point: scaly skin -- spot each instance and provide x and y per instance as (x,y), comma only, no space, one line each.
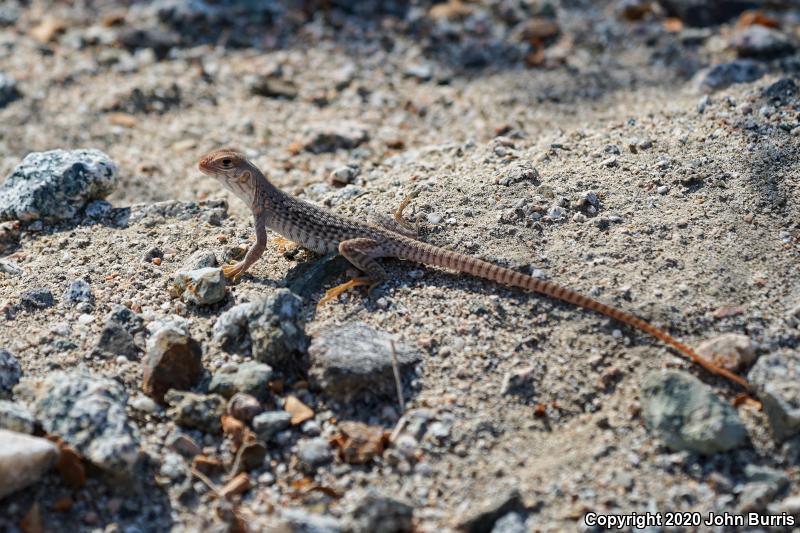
(363,244)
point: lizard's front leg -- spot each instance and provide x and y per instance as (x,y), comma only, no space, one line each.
(253,253)
(363,253)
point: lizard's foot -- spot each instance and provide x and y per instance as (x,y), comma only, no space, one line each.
(233,272)
(330,294)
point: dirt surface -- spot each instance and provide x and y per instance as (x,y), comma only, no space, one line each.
(696,229)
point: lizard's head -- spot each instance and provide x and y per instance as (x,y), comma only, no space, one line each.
(233,170)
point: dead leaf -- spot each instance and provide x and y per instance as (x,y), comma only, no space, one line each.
(745,399)
(727,311)
(207,465)
(32,521)
(300,412)
(63,504)
(233,428)
(70,467)
(235,486)
(358,443)
(756,18)
(125,120)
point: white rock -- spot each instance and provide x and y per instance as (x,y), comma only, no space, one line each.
(23,460)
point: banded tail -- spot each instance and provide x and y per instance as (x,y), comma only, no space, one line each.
(432,255)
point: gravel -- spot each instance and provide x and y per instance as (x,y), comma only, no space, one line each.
(486,114)
(313,453)
(56,185)
(8,90)
(15,417)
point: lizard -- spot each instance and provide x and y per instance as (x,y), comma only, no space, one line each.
(363,244)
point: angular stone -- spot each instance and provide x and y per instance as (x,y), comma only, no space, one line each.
(759,41)
(355,358)
(776,379)
(8,90)
(115,340)
(88,413)
(723,75)
(376,513)
(37,298)
(249,377)
(23,460)
(729,350)
(77,292)
(56,185)
(205,286)
(174,361)
(685,414)
(483,515)
(314,453)
(331,136)
(15,417)
(10,372)
(273,328)
(270,423)
(198,411)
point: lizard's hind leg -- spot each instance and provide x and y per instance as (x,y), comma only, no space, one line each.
(363,253)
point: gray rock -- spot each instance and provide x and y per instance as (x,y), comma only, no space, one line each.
(729,350)
(15,417)
(482,516)
(686,415)
(517,172)
(349,360)
(205,286)
(344,175)
(88,413)
(314,453)
(270,423)
(706,12)
(37,298)
(513,522)
(56,185)
(376,513)
(763,484)
(759,41)
(200,259)
(301,521)
(10,372)
(126,318)
(273,328)
(198,411)
(174,361)
(775,378)
(726,74)
(8,89)
(78,291)
(115,340)
(273,87)
(23,460)
(250,377)
(331,136)
(781,92)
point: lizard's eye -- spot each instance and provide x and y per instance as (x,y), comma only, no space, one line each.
(226,162)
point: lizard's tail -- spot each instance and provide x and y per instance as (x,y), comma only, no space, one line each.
(431,255)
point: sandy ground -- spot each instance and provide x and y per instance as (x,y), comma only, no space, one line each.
(701,215)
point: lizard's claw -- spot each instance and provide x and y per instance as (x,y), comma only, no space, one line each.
(330,294)
(232,272)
